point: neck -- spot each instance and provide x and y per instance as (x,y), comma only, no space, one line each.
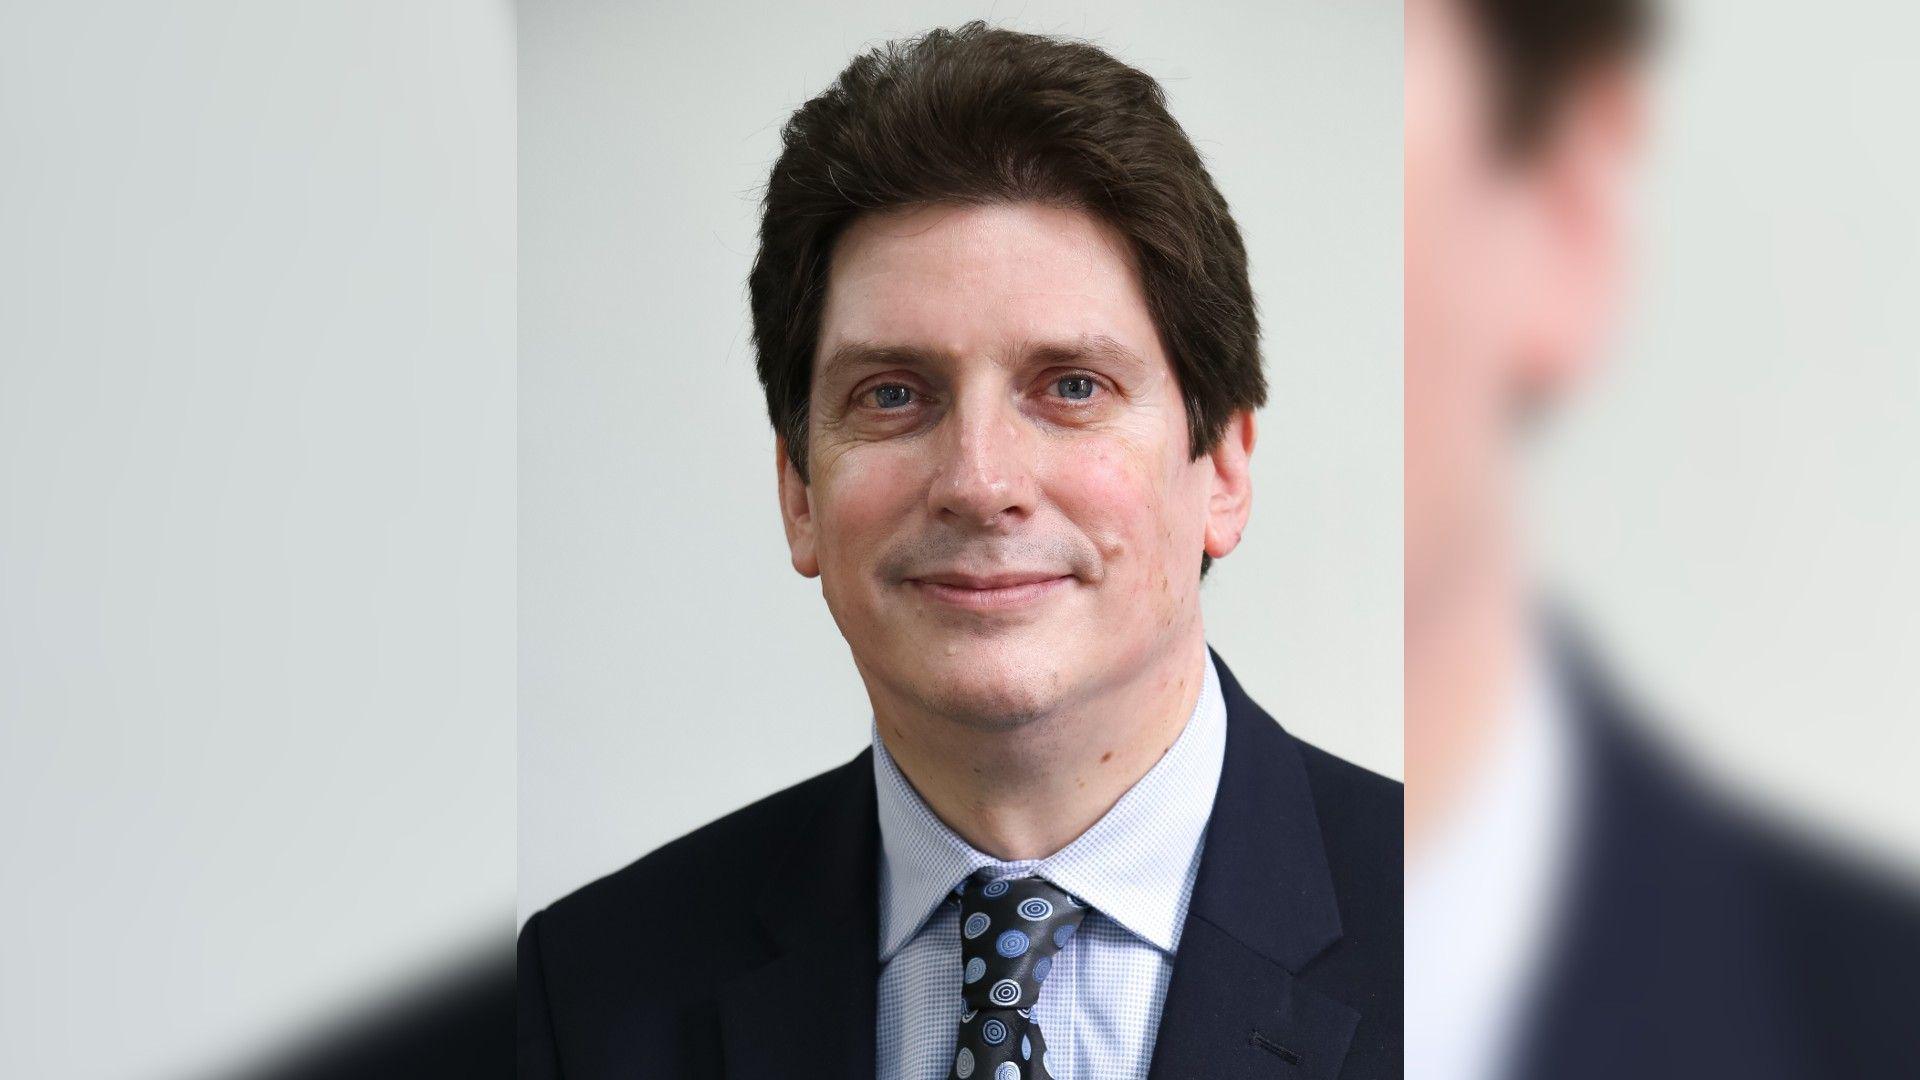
(1462,653)
(1026,791)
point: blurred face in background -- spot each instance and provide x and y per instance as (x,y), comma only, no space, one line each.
(1001,505)
(1512,265)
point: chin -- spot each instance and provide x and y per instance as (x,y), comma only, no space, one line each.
(989,685)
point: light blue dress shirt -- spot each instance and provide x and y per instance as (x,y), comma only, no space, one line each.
(1100,1006)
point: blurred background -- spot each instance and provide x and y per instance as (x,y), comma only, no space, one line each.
(256,524)
(654,575)
(1662,381)
(1734,502)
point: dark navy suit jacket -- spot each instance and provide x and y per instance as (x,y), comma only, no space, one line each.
(749,948)
(1706,941)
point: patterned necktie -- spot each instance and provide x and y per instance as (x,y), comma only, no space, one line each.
(1009,930)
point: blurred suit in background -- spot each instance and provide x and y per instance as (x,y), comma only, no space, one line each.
(1578,903)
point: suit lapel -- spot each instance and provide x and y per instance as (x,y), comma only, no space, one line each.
(809,1012)
(1263,908)
(1233,1013)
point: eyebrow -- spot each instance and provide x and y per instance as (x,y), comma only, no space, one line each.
(872,354)
(1098,347)
(1088,347)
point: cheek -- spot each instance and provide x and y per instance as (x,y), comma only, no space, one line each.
(1128,500)
(860,498)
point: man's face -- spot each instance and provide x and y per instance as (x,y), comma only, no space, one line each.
(1511,269)
(1460,305)
(1001,506)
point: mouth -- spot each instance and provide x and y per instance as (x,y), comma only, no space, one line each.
(989,592)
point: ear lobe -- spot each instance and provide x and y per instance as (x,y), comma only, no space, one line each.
(796,512)
(1230,500)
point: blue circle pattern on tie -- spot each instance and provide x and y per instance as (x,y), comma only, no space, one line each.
(998,1038)
(1006,992)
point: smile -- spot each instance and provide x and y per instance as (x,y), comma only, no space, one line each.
(988,594)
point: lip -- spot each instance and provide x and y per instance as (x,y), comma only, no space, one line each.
(990,592)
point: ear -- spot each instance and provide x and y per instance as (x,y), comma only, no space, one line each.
(796,512)
(1230,484)
(1581,181)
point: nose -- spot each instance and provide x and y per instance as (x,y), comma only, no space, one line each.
(985,478)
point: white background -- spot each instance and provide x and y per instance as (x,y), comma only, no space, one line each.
(256,518)
(673,667)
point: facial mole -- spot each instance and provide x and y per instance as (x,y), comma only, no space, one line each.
(1106,757)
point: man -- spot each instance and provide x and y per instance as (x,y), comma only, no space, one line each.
(1009,350)
(1578,906)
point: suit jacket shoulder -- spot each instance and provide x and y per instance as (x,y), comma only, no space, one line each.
(1301,878)
(1360,817)
(700,875)
(1702,938)
(626,968)
(1361,821)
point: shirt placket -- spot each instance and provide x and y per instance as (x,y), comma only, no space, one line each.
(1069,958)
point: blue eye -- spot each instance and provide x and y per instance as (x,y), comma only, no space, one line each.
(1075,387)
(891,396)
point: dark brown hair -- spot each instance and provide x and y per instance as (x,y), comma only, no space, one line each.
(977,115)
(1541,48)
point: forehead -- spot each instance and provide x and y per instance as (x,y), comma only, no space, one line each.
(970,280)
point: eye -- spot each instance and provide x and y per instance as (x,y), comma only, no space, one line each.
(891,396)
(1074,387)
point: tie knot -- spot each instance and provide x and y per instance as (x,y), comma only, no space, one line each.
(1009,930)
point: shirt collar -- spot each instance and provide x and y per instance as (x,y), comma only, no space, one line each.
(1135,865)
(1480,898)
